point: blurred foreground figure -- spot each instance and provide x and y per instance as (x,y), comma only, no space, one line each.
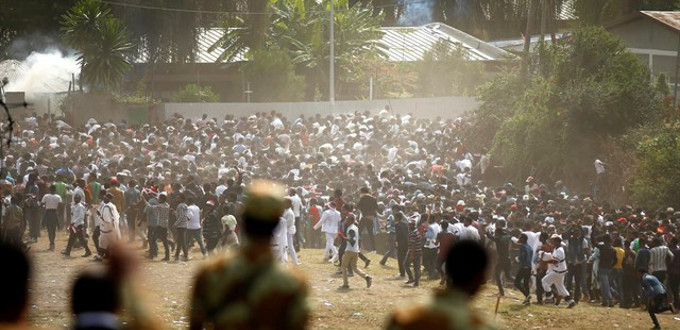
(101,297)
(248,290)
(450,309)
(13,287)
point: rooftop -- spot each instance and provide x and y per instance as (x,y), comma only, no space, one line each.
(668,18)
(404,44)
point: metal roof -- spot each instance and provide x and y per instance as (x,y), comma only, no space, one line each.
(404,44)
(517,44)
(408,44)
(668,18)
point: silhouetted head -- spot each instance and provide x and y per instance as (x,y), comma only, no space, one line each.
(466,265)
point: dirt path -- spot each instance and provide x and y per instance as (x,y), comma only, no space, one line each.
(167,286)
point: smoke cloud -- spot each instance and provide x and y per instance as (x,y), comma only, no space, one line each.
(41,72)
(417,12)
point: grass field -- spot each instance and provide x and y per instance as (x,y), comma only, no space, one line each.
(167,286)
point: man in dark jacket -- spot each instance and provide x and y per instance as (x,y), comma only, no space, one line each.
(502,241)
(368,206)
(401,228)
(607,262)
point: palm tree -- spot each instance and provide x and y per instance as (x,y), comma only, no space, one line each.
(302,28)
(102,42)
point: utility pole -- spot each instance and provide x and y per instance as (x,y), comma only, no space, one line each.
(331,91)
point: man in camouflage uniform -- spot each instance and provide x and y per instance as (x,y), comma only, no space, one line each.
(450,309)
(248,290)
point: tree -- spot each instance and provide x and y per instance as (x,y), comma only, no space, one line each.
(446,70)
(301,27)
(195,93)
(102,42)
(594,89)
(272,76)
(657,177)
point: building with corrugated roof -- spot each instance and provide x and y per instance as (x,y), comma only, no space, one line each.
(654,36)
(402,44)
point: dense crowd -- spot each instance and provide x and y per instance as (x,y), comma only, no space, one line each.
(406,186)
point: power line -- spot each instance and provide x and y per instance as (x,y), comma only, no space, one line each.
(195,11)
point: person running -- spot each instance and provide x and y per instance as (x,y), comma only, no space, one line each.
(523,276)
(557,267)
(655,292)
(351,255)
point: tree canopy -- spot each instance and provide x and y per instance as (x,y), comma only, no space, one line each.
(554,123)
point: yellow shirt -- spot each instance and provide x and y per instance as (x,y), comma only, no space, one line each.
(620,253)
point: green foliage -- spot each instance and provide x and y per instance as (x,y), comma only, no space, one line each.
(134,99)
(657,179)
(102,42)
(662,87)
(301,27)
(499,99)
(272,77)
(553,125)
(193,93)
(446,70)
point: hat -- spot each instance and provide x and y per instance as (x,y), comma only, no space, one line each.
(114,180)
(210,202)
(555,236)
(265,201)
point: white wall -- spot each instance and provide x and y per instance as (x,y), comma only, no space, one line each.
(446,107)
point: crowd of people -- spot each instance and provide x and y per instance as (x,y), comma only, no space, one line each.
(360,182)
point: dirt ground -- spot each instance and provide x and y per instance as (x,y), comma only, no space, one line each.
(167,286)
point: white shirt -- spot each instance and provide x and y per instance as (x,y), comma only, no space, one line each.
(329,222)
(109,218)
(220,189)
(558,255)
(456,228)
(353,247)
(290,221)
(599,166)
(297,205)
(97,216)
(194,215)
(280,235)
(434,228)
(78,214)
(469,232)
(78,192)
(51,201)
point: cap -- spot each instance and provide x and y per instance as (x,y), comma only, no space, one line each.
(114,180)
(265,201)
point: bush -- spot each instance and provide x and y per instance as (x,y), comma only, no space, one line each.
(553,125)
(195,93)
(657,178)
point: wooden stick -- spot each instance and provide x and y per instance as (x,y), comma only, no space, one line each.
(498,302)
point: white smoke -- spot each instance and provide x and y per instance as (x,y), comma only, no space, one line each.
(417,12)
(47,72)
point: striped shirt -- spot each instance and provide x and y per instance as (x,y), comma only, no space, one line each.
(657,260)
(415,243)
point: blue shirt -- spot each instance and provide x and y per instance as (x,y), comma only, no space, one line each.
(525,256)
(652,286)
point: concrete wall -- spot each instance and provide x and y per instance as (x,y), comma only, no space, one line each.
(446,107)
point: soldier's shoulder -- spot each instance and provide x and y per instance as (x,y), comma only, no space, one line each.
(419,317)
